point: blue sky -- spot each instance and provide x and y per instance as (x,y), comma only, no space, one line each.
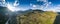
(45,5)
(55,1)
(27,2)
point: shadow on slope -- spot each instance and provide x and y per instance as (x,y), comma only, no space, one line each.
(57,20)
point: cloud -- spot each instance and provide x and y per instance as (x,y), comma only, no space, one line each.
(43,0)
(55,8)
(47,6)
(16,3)
(44,5)
(2,3)
(12,8)
(3,0)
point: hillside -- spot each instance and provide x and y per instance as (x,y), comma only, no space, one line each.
(36,17)
(3,17)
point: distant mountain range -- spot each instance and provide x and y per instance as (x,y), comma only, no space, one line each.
(25,15)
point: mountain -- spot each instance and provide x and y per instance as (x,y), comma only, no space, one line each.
(27,17)
(36,17)
(3,17)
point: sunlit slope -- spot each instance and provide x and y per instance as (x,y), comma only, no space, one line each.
(36,17)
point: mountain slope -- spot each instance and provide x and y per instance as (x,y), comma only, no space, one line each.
(3,17)
(36,17)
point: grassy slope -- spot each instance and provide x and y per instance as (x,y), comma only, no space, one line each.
(36,17)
